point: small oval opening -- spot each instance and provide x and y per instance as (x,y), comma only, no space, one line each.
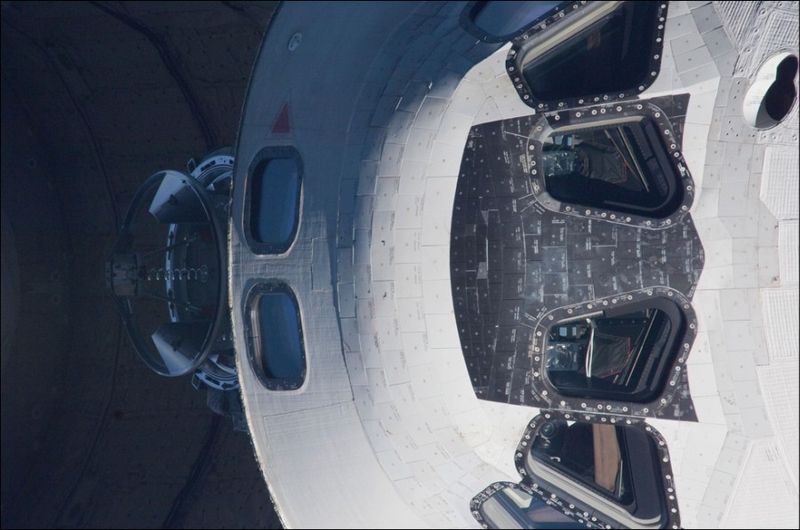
(773,93)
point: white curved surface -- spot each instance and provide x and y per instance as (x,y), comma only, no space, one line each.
(387,431)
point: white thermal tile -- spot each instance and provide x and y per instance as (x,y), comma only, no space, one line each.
(418,147)
(395,367)
(387,334)
(430,114)
(355,368)
(488,111)
(412,175)
(386,193)
(383,296)
(410,315)
(438,296)
(702,380)
(454,128)
(780,181)
(381,258)
(408,279)
(347,303)
(779,384)
(780,308)
(409,211)
(436,263)
(395,468)
(788,248)
(408,246)
(765,496)
(442,331)
(686,43)
(416,348)
(468,98)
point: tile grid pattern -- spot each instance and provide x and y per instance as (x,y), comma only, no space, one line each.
(431,436)
(403,353)
(748,184)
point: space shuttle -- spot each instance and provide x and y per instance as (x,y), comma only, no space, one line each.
(495,264)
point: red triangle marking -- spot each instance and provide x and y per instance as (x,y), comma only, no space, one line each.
(281,125)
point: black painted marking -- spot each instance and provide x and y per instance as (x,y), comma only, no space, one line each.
(519,263)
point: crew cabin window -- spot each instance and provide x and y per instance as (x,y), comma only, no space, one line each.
(273,201)
(502,19)
(615,470)
(605,49)
(622,166)
(276,349)
(513,507)
(624,354)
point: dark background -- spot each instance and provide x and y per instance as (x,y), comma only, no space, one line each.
(95,98)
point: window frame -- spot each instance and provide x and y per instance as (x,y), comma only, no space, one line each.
(597,116)
(670,514)
(479,501)
(253,343)
(258,164)
(672,350)
(547,396)
(474,7)
(647,130)
(556,27)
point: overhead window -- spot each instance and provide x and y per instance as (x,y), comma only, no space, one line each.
(276,349)
(502,19)
(608,48)
(619,165)
(513,507)
(622,354)
(773,92)
(273,201)
(615,470)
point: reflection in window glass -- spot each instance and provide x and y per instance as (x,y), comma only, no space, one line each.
(609,56)
(281,356)
(505,18)
(623,356)
(274,200)
(515,508)
(622,167)
(611,468)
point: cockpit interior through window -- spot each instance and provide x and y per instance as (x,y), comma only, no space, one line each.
(623,354)
(620,165)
